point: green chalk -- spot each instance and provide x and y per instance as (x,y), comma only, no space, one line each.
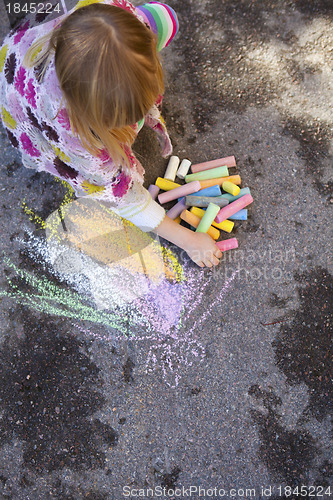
(208,218)
(213,173)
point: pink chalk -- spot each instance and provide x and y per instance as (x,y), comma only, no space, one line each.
(228,161)
(176,209)
(227,244)
(180,191)
(153,190)
(233,207)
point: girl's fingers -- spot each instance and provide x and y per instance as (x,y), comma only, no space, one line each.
(208,263)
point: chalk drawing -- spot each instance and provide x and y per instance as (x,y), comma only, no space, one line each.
(160,319)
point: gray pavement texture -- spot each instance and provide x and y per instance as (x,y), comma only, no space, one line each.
(238,395)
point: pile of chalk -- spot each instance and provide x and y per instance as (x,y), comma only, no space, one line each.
(209,201)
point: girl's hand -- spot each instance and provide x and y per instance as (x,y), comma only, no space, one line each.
(201,248)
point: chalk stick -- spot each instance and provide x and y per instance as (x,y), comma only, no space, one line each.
(211,182)
(210,191)
(204,201)
(153,190)
(165,184)
(231,188)
(226,225)
(176,209)
(241,193)
(194,221)
(233,207)
(183,190)
(227,244)
(183,169)
(207,219)
(228,161)
(240,215)
(214,190)
(214,173)
(171,169)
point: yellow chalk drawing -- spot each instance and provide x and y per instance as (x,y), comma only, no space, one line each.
(70,194)
(91,188)
(39,222)
(172,267)
(3,54)
(7,118)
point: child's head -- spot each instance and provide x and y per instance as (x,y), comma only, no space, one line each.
(109,72)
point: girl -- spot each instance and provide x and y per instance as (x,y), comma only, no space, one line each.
(74,93)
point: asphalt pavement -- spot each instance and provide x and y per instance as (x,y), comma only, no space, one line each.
(144,375)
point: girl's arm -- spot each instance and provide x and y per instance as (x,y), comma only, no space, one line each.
(200,247)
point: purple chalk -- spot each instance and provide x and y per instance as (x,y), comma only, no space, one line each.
(176,209)
(153,190)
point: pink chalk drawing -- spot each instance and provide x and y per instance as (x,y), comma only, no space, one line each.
(165,320)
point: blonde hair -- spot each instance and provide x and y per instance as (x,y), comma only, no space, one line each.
(109,72)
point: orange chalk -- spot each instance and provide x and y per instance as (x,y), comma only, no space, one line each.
(235,179)
(194,221)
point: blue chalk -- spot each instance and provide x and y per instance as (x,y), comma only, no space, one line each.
(241,193)
(210,191)
(241,215)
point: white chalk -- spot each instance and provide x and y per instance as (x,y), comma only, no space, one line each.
(183,169)
(171,170)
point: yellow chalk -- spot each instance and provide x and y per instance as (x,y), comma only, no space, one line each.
(226,225)
(231,188)
(178,220)
(194,221)
(165,184)
(235,179)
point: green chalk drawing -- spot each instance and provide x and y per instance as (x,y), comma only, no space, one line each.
(46,297)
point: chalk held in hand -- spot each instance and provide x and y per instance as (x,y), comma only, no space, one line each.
(214,173)
(231,188)
(165,184)
(233,207)
(194,221)
(208,218)
(153,190)
(171,169)
(183,169)
(227,244)
(204,201)
(183,190)
(229,161)
(226,225)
